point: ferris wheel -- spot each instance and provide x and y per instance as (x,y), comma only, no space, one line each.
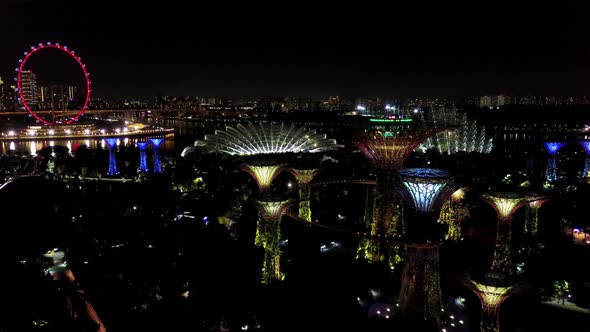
(70,116)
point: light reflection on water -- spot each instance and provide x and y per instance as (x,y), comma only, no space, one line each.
(33,146)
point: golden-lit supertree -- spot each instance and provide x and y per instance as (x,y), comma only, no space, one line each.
(304,178)
(505,205)
(263,173)
(268,235)
(534,203)
(387,151)
(491,295)
(420,292)
(449,215)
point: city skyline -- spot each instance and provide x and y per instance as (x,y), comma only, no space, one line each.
(253,51)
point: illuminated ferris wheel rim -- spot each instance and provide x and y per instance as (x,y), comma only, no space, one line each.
(20,69)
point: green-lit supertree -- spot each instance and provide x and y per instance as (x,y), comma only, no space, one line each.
(420,292)
(505,205)
(534,203)
(304,178)
(449,215)
(263,173)
(268,235)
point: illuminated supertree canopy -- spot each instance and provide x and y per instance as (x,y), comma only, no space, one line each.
(112,144)
(142,156)
(552,148)
(304,178)
(263,173)
(420,291)
(466,137)
(389,150)
(491,297)
(268,235)
(505,205)
(424,185)
(268,138)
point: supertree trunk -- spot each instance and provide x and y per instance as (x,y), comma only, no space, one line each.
(586,171)
(420,292)
(449,216)
(268,235)
(551,171)
(304,202)
(531,225)
(502,254)
(490,320)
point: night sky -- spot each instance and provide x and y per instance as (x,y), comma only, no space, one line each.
(308,49)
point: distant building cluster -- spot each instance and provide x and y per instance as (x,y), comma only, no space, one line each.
(495,101)
(55,97)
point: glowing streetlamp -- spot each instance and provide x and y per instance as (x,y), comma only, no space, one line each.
(142,156)
(304,178)
(112,144)
(551,171)
(156,142)
(505,205)
(268,235)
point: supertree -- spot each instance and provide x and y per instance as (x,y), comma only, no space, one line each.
(156,142)
(142,156)
(466,137)
(263,172)
(586,171)
(424,186)
(268,235)
(551,171)
(491,294)
(449,215)
(387,152)
(420,292)
(505,205)
(112,144)
(534,203)
(304,178)
(268,138)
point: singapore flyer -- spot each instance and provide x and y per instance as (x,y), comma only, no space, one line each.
(46,105)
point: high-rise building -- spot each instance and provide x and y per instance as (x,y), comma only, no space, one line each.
(29,87)
(485,101)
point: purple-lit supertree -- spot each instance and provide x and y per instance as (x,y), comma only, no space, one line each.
(112,144)
(387,151)
(142,156)
(586,171)
(505,205)
(551,171)
(156,142)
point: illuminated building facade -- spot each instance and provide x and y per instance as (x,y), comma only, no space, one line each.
(112,144)
(551,171)
(505,205)
(142,156)
(491,298)
(268,235)
(420,292)
(263,174)
(29,87)
(304,178)
(156,142)
(268,138)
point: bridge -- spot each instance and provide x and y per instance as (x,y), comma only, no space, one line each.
(370,182)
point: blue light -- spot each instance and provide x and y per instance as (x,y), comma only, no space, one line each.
(142,156)
(424,194)
(156,142)
(553,147)
(112,144)
(586,146)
